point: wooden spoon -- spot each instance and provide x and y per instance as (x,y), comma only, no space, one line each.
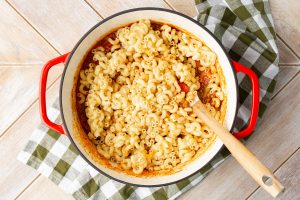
(259,172)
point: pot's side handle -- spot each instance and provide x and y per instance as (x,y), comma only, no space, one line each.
(42,93)
(255,99)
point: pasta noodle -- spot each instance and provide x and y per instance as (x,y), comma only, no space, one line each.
(138,117)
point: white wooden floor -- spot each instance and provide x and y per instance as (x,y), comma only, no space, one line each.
(34,31)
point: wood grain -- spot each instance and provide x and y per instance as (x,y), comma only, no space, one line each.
(62,23)
(286,16)
(14,175)
(107,8)
(19,43)
(286,56)
(187,6)
(289,174)
(19,89)
(43,192)
(284,77)
(276,138)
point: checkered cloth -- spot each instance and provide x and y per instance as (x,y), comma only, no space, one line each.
(246,30)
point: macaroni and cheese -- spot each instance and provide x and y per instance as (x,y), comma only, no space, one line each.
(134,92)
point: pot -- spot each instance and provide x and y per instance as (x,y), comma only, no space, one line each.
(73,59)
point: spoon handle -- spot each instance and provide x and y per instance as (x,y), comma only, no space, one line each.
(259,172)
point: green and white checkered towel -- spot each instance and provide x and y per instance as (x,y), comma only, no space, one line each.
(246,30)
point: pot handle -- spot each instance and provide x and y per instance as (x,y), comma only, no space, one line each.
(42,93)
(255,99)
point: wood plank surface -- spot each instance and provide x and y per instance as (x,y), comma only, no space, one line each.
(107,8)
(19,43)
(286,56)
(276,138)
(62,23)
(286,17)
(186,7)
(19,87)
(286,73)
(289,175)
(14,175)
(44,194)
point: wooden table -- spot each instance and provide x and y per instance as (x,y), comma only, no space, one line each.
(32,32)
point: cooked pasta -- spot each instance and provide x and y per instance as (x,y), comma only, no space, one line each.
(135,96)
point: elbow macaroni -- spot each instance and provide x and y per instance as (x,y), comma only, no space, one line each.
(134,104)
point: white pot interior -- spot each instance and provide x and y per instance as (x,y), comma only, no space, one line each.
(161,16)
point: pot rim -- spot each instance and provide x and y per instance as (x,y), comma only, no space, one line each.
(80,41)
